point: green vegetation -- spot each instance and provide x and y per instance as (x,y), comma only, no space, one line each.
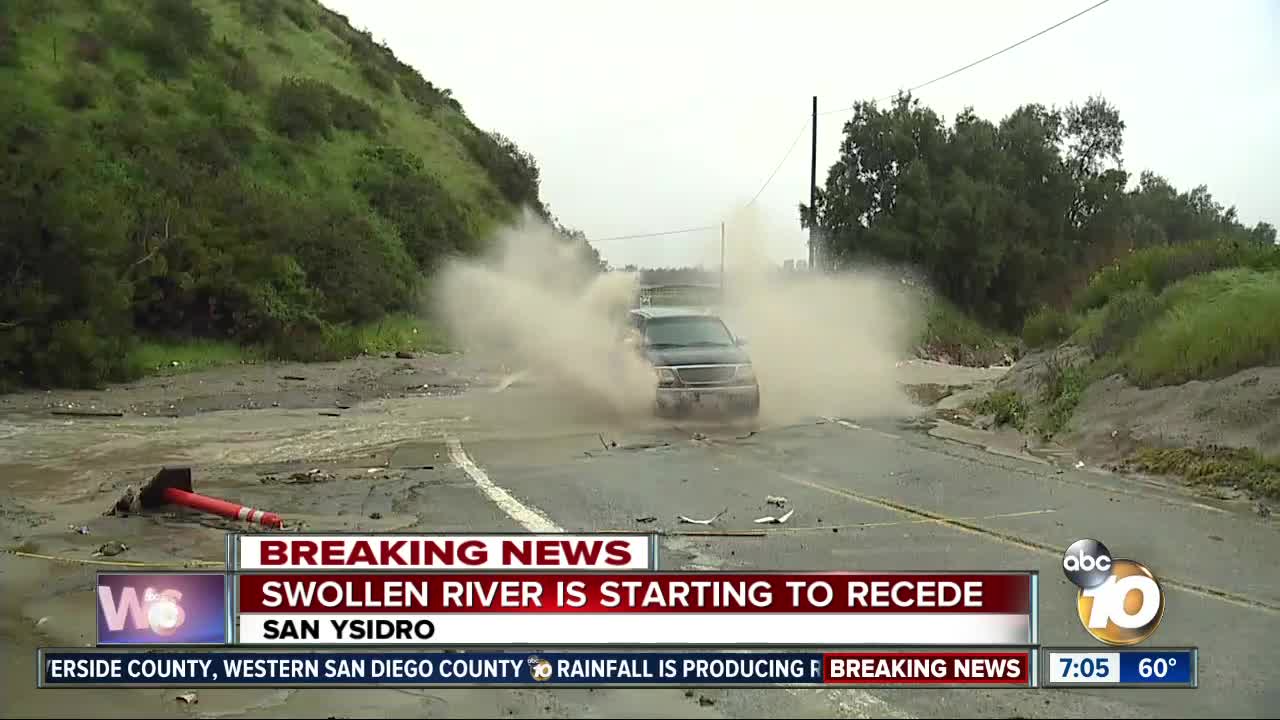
(163,358)
(1006,406)
(224,173)
(1212,326)
(949,332)
(1063,387)
(1006,218)
(1214,466)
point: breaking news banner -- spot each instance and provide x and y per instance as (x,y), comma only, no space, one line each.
(70,668)
(1121,667)
(510,551)
(653,609)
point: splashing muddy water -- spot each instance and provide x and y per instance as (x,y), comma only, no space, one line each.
(822,344)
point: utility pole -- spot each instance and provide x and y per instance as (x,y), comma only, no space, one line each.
(722,262)
(813,188)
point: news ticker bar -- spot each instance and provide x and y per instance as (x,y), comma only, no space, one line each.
(874,667)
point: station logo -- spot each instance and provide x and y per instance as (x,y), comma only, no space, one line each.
(156,608)
(1119,601)
(539,668)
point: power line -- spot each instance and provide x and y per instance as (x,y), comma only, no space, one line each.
(778,167)
(975,63)
(700,228)
(791,148)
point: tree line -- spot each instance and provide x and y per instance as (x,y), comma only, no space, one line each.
(1003,217)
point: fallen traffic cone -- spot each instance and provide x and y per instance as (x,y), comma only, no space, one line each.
(172,486)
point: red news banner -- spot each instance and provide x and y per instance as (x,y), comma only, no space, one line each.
(591,590)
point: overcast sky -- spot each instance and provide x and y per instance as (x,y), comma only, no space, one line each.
(672,113)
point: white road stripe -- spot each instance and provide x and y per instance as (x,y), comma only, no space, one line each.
(531,518)
(855,426)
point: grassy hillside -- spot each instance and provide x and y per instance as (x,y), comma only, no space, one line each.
(1166,315)
(1160,316)
(246,172)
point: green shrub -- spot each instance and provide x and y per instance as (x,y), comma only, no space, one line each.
(261,14)
(1156,268)
(1006,406)
(90,48)
(377,78)
(1216,324)
(127,81)
(1214,465)
(426,217)
(1064,386)
(164,50)
(299,16)
(75,91)
(190,25)
(1121,320)
(9,53)
(1048,326)
(354,114)
(300,109)
(239,72)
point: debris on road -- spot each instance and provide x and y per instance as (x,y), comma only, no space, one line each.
(708,521)
(331,414)
(292,377)
(314,475)
(647,519)
(1217,538)
(602,442)
(744,437)
(188,698)
(87,413)
(705,701)
(699,436)
(79,529)
(405,355)
(769,519)
(42,621)
(776,500)
(1079,464)
(375,516)
(110,549)
(128,504)
(172,486)
(1262,510)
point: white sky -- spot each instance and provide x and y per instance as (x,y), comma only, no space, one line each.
(671,113)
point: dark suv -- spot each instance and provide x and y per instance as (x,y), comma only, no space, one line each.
(697,362)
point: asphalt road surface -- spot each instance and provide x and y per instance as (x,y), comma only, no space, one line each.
(869,494)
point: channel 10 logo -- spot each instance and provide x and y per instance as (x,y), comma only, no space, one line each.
(1119,602)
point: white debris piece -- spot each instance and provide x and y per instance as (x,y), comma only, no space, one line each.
(708,521)
(769,519)
(775,500)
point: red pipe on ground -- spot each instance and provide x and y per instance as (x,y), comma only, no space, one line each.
(226,509)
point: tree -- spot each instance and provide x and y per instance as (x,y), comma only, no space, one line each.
(1001,217)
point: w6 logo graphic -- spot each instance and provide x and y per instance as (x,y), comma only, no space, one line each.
(1119,602)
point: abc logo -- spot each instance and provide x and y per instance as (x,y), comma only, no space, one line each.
(1119,601)
(540,669)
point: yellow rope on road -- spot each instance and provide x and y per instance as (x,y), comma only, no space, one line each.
(118,563)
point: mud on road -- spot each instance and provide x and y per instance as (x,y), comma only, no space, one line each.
(384,463)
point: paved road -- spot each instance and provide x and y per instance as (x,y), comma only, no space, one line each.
(869,495)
